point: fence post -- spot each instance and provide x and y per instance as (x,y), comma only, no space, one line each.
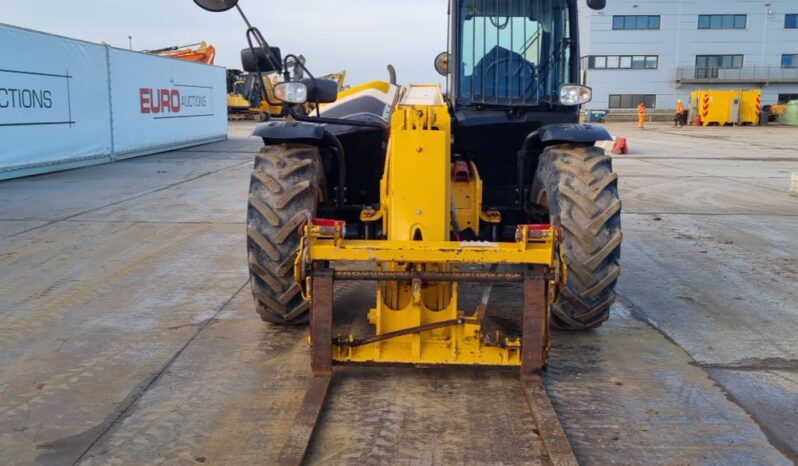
(110,100)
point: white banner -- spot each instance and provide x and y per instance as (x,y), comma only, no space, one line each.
(162,102)
(53,100)
(57,96)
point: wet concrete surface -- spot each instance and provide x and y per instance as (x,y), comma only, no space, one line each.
(128,334)
(710,230)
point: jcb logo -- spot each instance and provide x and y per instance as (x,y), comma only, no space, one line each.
(159,101)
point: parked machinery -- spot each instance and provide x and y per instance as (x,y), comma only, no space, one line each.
(421,191)
(246,98)
(199,52)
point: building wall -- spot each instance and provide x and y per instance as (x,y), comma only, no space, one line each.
(679,40)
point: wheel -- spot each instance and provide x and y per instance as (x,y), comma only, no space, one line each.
(283,194)
(580,190)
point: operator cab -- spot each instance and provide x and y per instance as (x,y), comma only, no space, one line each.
(515,53)
(512,52)
(513,70)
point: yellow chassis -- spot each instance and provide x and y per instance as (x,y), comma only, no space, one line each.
(416,316)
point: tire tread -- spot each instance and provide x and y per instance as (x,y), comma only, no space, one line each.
(282,196)
(582,194)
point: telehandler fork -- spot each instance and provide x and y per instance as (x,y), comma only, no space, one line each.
(418,269)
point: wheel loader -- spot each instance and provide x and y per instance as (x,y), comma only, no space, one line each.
(424,191)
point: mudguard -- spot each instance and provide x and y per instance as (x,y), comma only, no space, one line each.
(283,131)
(564,133)
(549,135)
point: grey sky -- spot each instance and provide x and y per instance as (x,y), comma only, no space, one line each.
(361,36)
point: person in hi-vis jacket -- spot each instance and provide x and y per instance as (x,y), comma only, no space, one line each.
(642,113)
(680,119)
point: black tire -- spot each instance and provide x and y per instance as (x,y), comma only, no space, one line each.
(283,194)
(579,188)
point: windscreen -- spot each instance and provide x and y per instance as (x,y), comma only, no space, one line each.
(513,52)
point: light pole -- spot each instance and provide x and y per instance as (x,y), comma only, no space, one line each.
(130,41)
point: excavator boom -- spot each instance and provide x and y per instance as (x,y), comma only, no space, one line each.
(200,52)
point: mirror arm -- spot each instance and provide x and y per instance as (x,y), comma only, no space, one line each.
(264,46)
(299,62)
(243,16)
(306,70)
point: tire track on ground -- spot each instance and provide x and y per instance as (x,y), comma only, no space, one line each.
(136,196)
(224,405)
(44,307)
(125,410)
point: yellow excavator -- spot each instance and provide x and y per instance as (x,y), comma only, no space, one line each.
(421,191)
(238,102)
(238,106)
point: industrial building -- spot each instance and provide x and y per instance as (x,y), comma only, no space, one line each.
(658,52)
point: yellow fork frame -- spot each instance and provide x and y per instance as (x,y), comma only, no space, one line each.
(416,206)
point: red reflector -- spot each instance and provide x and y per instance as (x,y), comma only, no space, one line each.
(330,228)
(327,222)
(535,232)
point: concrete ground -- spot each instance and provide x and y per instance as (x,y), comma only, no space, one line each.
(128,334)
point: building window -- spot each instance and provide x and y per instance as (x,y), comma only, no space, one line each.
(722,21)
(623,62)
(789,61)
(707,66)
(784,98)
(626,63)
(635,22)
(632,100)
(791,21)
(719,61)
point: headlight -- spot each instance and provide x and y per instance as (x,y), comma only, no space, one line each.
(292,93)
(572,94)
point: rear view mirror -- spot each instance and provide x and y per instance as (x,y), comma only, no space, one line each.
(596,4)
(252,62)
(442,63)
(323,91)
(216,6)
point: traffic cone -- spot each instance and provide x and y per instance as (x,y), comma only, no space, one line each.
(620,147)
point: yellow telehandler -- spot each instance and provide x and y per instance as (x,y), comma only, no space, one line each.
(420,191)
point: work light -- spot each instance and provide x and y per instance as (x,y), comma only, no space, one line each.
(573,94)
(292,93)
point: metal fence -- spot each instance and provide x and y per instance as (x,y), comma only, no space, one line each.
(66,103)
(753,74)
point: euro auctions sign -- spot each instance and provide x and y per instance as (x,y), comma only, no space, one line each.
(164,102)
(66,103)
(180,101)
(33,98)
